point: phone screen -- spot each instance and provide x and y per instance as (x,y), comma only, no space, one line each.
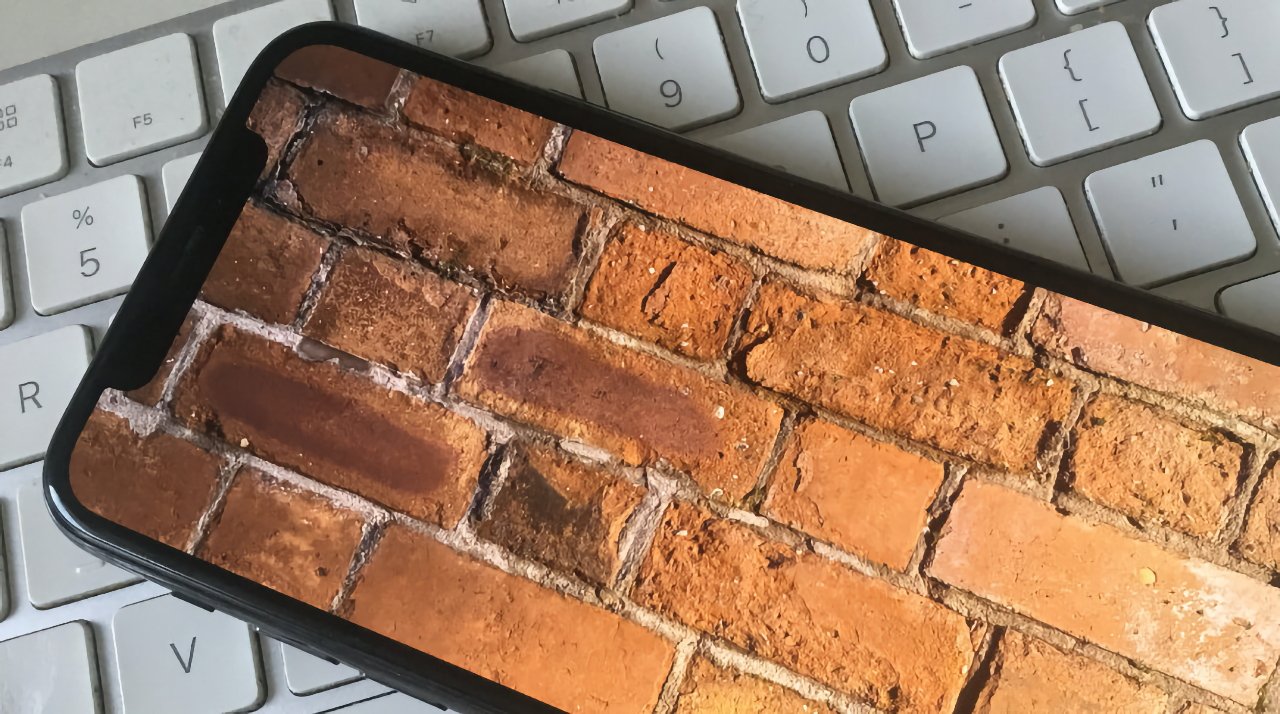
(628,438)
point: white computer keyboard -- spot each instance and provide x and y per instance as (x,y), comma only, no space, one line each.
(1139,139)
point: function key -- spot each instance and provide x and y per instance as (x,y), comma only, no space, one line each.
(531,19)
(31,148)
(239,38)
(452,27)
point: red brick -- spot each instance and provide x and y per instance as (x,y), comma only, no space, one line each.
(1140,462)
(1165,361)
(947,286)
(334,425)
(348,75)
(468,118)
(291,541)
(1211,627)
(664,290)
(959,395)
(151,392)
(1028,675)
(276,117)
(708,689)
(265,266)
(391,312)
(1260,541)
(736,214)
(561,513)
(564,652)
(432,204)
(157,485)
(535,369)
(860,635)
(867,497)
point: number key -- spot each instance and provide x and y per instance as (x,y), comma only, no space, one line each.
(31,147)
(451,27)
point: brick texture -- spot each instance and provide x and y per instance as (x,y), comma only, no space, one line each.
(151,392)
(1260,541)
(708,689)
(468,118)
(276,118)
(342,73)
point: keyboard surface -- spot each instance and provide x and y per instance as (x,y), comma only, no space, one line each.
(1139,139)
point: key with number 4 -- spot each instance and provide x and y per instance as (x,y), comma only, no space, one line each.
(31,147)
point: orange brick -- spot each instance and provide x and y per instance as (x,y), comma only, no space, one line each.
(857,634)
(561,651)
(765,224)
(1260,541)
(1140,462)
(467,118)
(391,312)
(1029,675)
(959,395)
(1211,627)
(333,425)
(276,117)
(151,392)
(664,290)
(432,204)
(864,496)
(348,75)
(294,542)
(708,689)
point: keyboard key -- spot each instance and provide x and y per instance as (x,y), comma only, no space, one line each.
(672,71)
(1170,214)
(174,176)
(1256,302)
(452,27)
(531,19)
(6,280)
(1221,54)
(390,703)
(932,28)
(927,138)
(801,47)
(1075,7)
(1035,222)
(85,245)
(308,674)
(53,670)
(1261,144)
(37,378)
(553,70)
(4,577)
(31,147)
(239,38)
(140,98)
(172,654)
(1079,93)
(58,571)
(800,144)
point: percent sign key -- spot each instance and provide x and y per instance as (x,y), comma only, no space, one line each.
(82,217)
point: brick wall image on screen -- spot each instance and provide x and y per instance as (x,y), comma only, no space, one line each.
(631,439)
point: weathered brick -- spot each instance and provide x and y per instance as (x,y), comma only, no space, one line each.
(291,541)
(867,497)
(957,394)
(348,75)
(708,689)
(157,485)
(536,369)
(1260,541)
(467,118)
(434,205)
(1028,675)
(276,117)
(1165,361)
(265,266)
(151,392)
(391,312)
(857,634)
(1140,462)
(947,286)
(1204,624)
(322,420)
(736,214)
(662,289)
(564,652)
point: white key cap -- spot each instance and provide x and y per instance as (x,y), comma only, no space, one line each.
(452,27)
(932,28)
(31,148)
(390,703)
(239,38)
(53,670)
(140,98)
(85,245)
(553,70)
(800,144)
(1261,143)
(1170,214)
(927,138)
(58,571)
(1035,222)
(173,654)
(1075,7)
(1221,54)
(1256,302)
(672,71)
(308,674)
(4,577)
(6,282)
(531,19)
(799,47)
(174,176)
(37,378)
(1079,93)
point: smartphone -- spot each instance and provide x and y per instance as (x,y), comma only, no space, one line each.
(517,405)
